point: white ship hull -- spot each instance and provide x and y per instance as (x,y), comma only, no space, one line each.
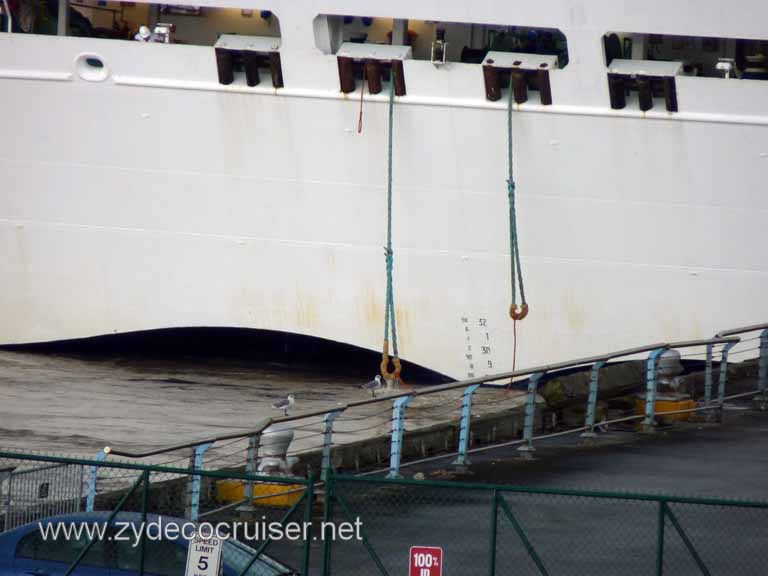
(159,198)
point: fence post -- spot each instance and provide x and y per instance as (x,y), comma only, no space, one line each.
(309,501)
(327,442)
(398,424)
(494,530)
(466,417)
(662,517)
(193,509)
(527,449)
(761,401)
(144,506)
(723,378)
(649,422)
(90,500)
(330,489)
(594,386)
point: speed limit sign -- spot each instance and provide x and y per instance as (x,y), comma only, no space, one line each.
(426,561)
(204,556)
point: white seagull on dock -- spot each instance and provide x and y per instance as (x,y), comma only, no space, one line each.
(373,385)
(284,403)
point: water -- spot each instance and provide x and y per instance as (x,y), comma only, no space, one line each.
(78,405)
(56,403)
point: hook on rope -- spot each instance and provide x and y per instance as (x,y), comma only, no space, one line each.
(385,361)
(518,313)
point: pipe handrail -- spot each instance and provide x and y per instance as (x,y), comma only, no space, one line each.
(267,422)
(743,329)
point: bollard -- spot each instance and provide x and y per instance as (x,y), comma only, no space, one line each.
(276,69)
(649,422)
(196,461)
(398,422)
(90,500)
(327,438)
(466,417)
(594,385)
(645,92)
(723,378)
(530,416)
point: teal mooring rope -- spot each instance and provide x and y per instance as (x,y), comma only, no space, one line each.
(389,313)
(516,271)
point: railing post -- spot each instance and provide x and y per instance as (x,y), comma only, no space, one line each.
(723,378)
(193,510)
(594,386)
(90,500)
(708,376)
(250,464)
(398,424)
(466,417)
(327,442)
(527,449)
(761,401)
(649,422)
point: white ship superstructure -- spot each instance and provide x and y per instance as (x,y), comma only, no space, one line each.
(138,191)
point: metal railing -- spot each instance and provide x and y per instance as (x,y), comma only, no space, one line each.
(323,425)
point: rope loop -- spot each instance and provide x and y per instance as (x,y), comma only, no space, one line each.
(518,313)
(385,361)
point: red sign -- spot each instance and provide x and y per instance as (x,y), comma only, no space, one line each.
(426,561)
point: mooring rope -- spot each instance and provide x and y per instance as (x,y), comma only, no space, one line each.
(389,312)
(516,271)
(360,116)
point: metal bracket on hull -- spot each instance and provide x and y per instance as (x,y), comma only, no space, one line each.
(252,52)
(372,60)
(523,69)
(643,74)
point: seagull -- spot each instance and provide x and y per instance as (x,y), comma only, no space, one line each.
(284,403)
(373,385)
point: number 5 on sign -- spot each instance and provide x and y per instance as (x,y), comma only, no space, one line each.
(426,561)
(204,557)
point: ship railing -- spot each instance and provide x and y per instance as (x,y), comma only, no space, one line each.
(320,434)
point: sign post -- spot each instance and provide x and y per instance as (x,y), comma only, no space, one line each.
(204,556)
(426,561)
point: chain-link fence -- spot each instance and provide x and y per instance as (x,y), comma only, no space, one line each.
(66,515)
(123,512)
(504,530)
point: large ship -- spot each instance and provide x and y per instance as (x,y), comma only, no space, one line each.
(225,165)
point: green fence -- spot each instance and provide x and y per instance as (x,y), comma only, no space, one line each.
(481,529)
(505,530)
(119,496)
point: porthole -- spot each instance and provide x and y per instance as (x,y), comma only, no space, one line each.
(91,67)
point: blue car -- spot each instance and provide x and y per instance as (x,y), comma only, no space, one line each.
(25,552)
